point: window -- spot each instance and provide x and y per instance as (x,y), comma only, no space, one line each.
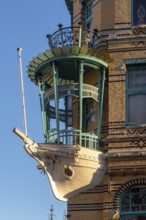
(89,116)
(138,12)
(136,94)
(88,14)
(133,204)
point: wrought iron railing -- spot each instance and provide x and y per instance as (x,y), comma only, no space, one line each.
(72,89)
(72,137)
(72,36)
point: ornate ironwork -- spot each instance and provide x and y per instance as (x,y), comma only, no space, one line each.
(72,36)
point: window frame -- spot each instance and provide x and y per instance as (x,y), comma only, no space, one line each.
(130,213)
(88,19)
(135,63)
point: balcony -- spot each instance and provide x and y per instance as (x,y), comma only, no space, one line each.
(72,36)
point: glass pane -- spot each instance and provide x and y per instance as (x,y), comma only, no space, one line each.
(135,199)
(143,196)
(143,208)
(137,78)
(135,208)
(136,108)
(125,206)
(133,204)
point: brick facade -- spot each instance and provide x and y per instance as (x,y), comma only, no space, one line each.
(124,145)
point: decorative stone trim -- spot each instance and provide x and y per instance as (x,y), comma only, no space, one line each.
(138,143)
(139,31)
(136,131)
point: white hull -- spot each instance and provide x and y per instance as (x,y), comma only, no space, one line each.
(70,169)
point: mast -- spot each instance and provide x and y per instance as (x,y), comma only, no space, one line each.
(51,213)
(22,90)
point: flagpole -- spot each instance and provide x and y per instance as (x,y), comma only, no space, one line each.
(22,90)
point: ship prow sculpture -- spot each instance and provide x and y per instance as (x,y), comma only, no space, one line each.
(70,169)
(71,106)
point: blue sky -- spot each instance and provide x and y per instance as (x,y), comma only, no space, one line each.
(25,193)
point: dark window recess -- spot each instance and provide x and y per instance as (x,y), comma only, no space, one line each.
(138,12)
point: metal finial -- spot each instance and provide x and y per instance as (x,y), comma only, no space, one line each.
(60,26)
(19,49)
(48,36)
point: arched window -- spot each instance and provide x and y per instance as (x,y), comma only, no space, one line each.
(133,204)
